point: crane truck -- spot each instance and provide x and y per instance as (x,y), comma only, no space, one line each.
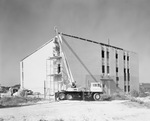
(69,89)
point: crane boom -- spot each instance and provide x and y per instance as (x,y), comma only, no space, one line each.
(94,89)
(66,62)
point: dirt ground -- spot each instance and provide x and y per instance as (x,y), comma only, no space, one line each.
(77,111)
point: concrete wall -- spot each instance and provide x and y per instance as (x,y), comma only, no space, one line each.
(134,71)
(33,69)
(85,60)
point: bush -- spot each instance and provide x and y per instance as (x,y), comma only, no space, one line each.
(10,101)
(105,97)
(143,92)
(15,101)
(1,119)
(134,93)
(119,96)
(115,96)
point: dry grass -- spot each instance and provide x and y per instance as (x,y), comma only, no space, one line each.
(119,96)
(115,96)
(134,96)
(136,100)
(17,101)
(51,120)
(1,119)
(141,102)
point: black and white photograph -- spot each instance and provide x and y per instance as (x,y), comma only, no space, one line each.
(74,60)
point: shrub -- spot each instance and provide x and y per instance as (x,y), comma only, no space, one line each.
(119,96)
(115,96)
(1,119)
(105,97)
(11,101)
(136,100)
(134,93)
(15,101)
(143,92)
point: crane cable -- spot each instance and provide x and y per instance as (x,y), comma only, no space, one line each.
(87,40)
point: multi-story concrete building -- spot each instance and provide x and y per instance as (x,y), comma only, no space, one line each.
(90,61)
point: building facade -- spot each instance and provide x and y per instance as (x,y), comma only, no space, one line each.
(89,61)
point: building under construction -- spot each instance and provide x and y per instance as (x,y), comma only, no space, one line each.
(70,61)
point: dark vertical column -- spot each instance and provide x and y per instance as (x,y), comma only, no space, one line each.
(103,65)
(128,72)
(117,69)
(107,61)
(103,56)
(124,61)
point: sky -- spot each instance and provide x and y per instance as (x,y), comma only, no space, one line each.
(25,25)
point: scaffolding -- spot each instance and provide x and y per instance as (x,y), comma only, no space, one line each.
(53,76)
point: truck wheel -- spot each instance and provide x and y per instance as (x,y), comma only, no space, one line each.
(69,97)
(96,96)
(61,96)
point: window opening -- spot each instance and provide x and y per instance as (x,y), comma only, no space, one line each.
(128,58)
(125,88)
(103,53)
(128,88)
(124,74)
(116,69)
(116,55)
(103,69)
(107,69)
(107,54)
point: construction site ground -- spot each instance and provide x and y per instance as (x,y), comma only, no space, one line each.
(117,110)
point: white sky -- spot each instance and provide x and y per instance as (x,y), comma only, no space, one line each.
(27,24)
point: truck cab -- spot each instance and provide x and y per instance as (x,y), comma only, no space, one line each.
(96,87)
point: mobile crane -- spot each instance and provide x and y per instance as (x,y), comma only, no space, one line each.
(94,90)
